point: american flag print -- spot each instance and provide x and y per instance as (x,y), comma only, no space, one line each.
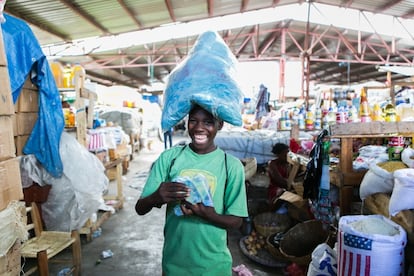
(354,255)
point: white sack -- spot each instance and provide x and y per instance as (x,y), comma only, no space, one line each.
(406,155)
(370,245)
(403,192)
(376,180)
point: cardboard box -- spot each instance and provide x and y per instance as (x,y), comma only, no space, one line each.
(14,123)
(3,58)
(28,84)
(28,101)
(10,182)
(20,142)
(7,149)
(25,122)
(6,98)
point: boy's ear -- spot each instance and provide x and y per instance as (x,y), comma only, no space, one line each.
(220,124)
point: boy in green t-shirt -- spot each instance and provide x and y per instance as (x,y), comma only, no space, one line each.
(196,243)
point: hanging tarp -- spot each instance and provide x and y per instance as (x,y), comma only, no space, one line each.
(26,59)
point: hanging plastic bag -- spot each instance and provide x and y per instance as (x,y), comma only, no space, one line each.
(323,261)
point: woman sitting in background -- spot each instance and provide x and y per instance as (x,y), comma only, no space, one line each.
(278,171)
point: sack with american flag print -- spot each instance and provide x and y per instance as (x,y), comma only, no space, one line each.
(370,245)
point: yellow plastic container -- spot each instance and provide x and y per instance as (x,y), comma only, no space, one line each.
(75,69)
(57,71)
(67,76)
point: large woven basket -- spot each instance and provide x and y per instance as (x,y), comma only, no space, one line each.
(268,223)
(273,246)
(250,167)
(299,241)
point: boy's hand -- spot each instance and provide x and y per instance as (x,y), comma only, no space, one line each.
(172,191)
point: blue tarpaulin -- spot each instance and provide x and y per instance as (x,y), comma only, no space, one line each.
(25,58)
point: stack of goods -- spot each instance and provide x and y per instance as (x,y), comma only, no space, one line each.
(10,181)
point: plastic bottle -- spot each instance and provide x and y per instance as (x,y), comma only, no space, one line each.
(352,114)
(364,107)
(318,118)
(75,69)
(390,113)
(57,71)
(301,121)
(310,120)
(331,116)
(71,118)
(377,113)
(67,75)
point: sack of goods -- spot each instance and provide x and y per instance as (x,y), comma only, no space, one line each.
(370,245)
(403,192)
(207,77)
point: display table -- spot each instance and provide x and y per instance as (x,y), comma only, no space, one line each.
(345,178)
(118,198)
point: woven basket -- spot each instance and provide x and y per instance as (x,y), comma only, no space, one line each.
(273,247)
(250,167)
(299,242)
(268,223)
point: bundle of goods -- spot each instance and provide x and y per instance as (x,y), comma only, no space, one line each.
(403,192)
(128,119)
(379,178)
(207,78)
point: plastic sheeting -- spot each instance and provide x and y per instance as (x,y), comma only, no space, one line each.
(207,77)
(25,58)
(75,196)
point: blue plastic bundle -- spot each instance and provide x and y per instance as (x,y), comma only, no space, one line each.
(207,78)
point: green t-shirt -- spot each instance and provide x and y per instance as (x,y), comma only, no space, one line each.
(193,246)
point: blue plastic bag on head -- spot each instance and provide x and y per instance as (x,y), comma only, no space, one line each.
(207,77)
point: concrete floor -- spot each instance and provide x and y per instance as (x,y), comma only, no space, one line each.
(136,241)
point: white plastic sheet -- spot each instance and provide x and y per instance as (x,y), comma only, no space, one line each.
(76,195)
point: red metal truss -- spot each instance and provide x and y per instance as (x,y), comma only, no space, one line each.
(326,45)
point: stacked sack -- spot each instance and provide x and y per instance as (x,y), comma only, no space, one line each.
(395,177)
(207,77)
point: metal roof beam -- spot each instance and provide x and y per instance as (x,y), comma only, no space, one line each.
(79,11)
(388,5)
(244,4)
(170,9)
(129,12)
(210,8)
(42,27)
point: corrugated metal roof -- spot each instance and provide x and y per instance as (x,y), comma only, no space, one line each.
(59,21)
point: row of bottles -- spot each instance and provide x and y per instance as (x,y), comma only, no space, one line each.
(318,118)
(69,115)
(65,75)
